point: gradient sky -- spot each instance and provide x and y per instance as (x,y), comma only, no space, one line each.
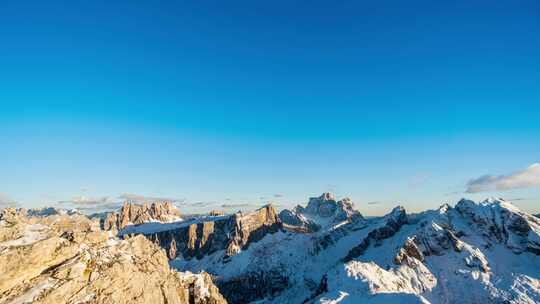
(238,103)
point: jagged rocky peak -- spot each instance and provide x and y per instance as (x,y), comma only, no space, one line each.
(388,227)
(503,222)
(326,206)
(67,259)
(252,227)
(216,213)
(442,253)
(230,234)
(320,211)
(133,214)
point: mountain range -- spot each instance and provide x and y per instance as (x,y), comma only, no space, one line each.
(323,252)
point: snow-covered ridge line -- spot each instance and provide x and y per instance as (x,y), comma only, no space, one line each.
(327,252)
(430,257)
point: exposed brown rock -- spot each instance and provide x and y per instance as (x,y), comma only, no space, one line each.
(68,259)
(231,234)
(409,254)
(139,214)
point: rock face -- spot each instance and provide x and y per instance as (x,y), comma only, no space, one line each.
(131,214)
(484,252)
(473,253)
(326,206)
(253,286)
(392,223)
(232,234)
(216,213)
(502,222)
(68,259)
(296,221)
(320,211)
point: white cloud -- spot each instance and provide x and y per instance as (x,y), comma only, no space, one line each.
(137,198)
(527,178)
(86,201)
(6,201)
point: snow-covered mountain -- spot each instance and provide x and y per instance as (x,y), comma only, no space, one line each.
(327,252)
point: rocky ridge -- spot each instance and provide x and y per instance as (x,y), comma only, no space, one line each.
(132,214)
(429,257)
(69,259)
(231,234)
(319,213)
(326,252)
(455,254)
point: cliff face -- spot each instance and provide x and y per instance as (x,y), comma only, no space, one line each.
(231,234)
(320,212)
(132,214)
(68,259)
(504,223)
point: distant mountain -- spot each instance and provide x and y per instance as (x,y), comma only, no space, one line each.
(132,214)
(323,252)
(320,213)
(327,252)
(49,211)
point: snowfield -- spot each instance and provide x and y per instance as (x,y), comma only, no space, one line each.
(471,253)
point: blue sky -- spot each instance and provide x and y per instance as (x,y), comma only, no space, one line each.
(238,103)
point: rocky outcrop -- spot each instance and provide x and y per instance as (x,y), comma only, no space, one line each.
(216,213)
(253,286)
(326,206)
(231,234)
(320,211)
(132,214)
(502,222)
(68,259)
(297,222)
(391,224)
(409,254)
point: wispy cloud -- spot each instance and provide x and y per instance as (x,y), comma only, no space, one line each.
(519,199)
(278,195)
(100,208)
(453,193)
(239,205)
(89,204)
(374,203)
(138,198)
(6,201)
(86,201)
(203,204)
(528,178)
